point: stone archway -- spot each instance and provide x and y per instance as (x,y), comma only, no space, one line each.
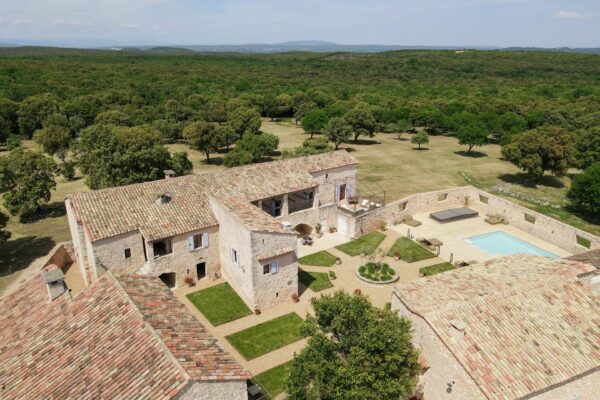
(169,279)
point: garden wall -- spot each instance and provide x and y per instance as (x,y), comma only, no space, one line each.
(549,229)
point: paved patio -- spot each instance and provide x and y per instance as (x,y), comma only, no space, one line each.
(346,280)
(453,235)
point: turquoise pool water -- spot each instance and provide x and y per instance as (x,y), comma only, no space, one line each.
(504,244)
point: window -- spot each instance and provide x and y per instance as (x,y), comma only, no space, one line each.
(198,241)
(266,269)
(308,196)
(235,257)
(483,199)
(402,206)
(442,196)
(127,253)
(529,218)
(271,268)
(162,247)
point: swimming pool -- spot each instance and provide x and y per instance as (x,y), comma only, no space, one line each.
(500,243)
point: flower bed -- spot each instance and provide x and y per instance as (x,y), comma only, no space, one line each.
(377,273)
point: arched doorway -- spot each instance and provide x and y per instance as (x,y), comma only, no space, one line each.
(169,279)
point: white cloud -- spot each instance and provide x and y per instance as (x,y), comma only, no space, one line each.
(130,26)
(567,14)
(62,21)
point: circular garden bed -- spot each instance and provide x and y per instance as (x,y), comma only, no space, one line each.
(377,273)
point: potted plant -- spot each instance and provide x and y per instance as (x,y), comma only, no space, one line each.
(382,226)
(397,255)
(189,280)
(257,311)
(332,275)
(338,261)
(295,298)
(332,229)
(318,228)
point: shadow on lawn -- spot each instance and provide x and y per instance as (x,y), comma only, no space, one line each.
(472,154)
(522,179)
(52,210)
(17,254)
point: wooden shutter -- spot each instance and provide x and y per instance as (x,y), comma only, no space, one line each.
(191,242)
(275,266)
(205,239)
(337,194)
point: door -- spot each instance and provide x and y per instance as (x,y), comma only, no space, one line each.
(342,224)
(201,270)
(342,191)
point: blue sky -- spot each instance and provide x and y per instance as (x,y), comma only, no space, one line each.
(544,23)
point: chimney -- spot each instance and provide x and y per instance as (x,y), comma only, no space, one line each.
(55,282)
(169,173)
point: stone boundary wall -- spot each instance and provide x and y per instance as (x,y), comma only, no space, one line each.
(523,218)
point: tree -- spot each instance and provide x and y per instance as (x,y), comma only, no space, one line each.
(301,109)
(338,131)
(169,129)
(113,117)
(361,119)
(116,156)
(54,139)
(217,111)
(309,147)
(275,107)
(420,138)
(587,148)
(585,190)
(34,110)
(474,134)
(511,124)
(251,148)
(354,351)
(228,135)
(27,178)
(244,120)
(203,136)
(548,148)
(181,164)
(4,233)
(8,119)
(314,121)
(5,129)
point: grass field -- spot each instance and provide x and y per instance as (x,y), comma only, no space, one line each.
(436,269)
(410,251)
(384,160)
(318,259)
(364,244)
(268,336)
(219,304)
(315,281)
(273,380)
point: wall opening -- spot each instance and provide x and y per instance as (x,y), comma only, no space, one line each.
(169,279)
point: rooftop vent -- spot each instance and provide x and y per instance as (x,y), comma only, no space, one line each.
(458,325)
(55,281)
(169,173)
(286,224)
(163,199)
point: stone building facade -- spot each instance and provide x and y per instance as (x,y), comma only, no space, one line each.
(185,226)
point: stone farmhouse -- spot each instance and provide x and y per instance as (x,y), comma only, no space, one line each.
(122,337)
(236,223)
(517,327)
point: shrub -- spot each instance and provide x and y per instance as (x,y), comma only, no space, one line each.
(189,280)
(68,170)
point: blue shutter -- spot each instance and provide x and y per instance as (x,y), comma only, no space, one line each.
(205,239)
(191,242)
(275,266)
(348,190)
(337,194)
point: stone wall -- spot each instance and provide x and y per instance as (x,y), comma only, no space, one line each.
(233,234)
(183,261)
(274,288)
(229,390)
(549,229)
(328,180)
(444,370)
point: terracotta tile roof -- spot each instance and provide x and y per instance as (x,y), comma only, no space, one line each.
(589,257)
(275,253)
(533,329)
(462,285)
(109,212)
(196,349)
(253,217)
(98,345)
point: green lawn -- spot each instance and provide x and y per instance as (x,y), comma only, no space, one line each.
(366,243)
(273,380)
(410,251)
(219,304)
(319,259)
(268,336)
(436,269)
(315,281)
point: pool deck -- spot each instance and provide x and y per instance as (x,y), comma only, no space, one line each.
(453,235)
